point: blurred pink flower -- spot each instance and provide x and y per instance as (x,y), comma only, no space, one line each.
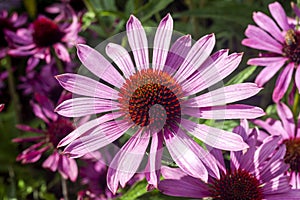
(281,41)
(155,102)
(9,23)
(57,127)
(290,133)
(43,34)
(1,107)
(255,174)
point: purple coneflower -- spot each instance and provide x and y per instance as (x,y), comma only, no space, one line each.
(290,133)
(57,127)
(44,34)
(281,41)
(255,174)
(155,102)
(8,23)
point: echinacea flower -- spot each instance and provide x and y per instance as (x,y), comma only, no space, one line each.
(8,23)
(255,174)
(281,42)
(57,127)
(290,132)
(43,34)
(155,101)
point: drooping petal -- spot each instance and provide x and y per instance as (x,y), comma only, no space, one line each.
(127,160)
(287,119)
(266,23)
(138,42)
(235,111)
(98,65)
(215,137)
(185,156)
(62,52)
(177,53)
(268,72)
(121,57)
(101,136)
(279,15)
(297,78)
(221,96)
(196,56)
(82,85)
(88,126)
(162,42)
(83,106)
(52,161)
(282,82)
(68,167)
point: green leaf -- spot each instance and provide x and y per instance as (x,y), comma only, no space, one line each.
(242,76)
(135,191)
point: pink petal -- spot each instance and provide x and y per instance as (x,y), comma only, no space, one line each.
(221,96)
(68,167)
(279,15)
(287,119)
(121,57)
(177,53)
(101,136)
(266,23)
(187,157)
(127,161)
(267,61)
(297,78)
(236,111)
(86,86)
(98,65)
(215,137)
(268,72)
(83,106)
(138,42)
(277,185)
(282,82)
(62,52)
(196,56)
(256,43)
(274,127)
(162,42)
(88,126)
(1,107)
(152,171)
(52,162)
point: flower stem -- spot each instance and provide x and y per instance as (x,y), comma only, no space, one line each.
(59,64)
(296,106)
(12,89)
(64,188)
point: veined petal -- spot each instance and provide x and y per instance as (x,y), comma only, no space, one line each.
(83,106)
(52,162)
(101,136)
(138,42)
(279,15)
(121,57)
(185,156)
(268,72)
(162,41)
(256,43)
(287,119)
(297,78)
(98,65)
(282,82)
(266,23)
(177,53)
(221,96)
(215,137)
(88,126)
(196,56)
(82,85)
(127,160)
(267,61)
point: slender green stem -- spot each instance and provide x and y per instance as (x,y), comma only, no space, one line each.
(59,64)
(64,188)
(296,106)
(12,88)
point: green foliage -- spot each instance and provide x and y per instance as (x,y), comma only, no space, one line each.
(242,76)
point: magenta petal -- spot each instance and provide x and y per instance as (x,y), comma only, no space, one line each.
(152,171)
(215,137)
(196,56)
(85,128)
(101,136)
(86,86)
(98,65)
(279,15)
(283,82)
(1,107)
(127,160)
(138,42)
(62,52)
(177,53)
(256,43)
(162,42)
(68,167)
(121,57)
(267,61)
(83,106)
(52,161)
(287,119)
(187,157)
(297,78)
(277,185)
(268,72)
